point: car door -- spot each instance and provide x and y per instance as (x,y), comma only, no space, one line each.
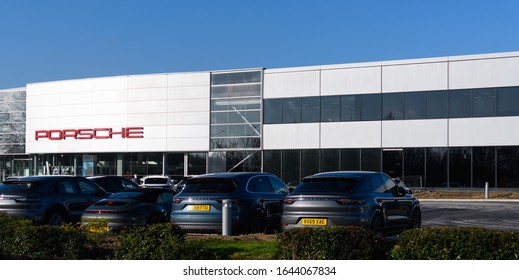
(269,193)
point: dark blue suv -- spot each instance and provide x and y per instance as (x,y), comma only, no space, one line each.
(256,202)
(48,199)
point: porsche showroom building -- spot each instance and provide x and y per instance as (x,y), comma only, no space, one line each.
(436,122)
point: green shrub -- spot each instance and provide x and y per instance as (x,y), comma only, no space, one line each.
(21,239)
(457,244)
(333,243)
(161,241)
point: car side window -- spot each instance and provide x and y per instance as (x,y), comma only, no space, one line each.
(87,187)
(165,198)
(376,184)
(279,187)
(65,186)
(260,184)
(390,184)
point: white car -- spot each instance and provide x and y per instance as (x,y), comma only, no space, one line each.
(156,181)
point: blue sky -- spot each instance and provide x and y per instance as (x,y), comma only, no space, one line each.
(69,39)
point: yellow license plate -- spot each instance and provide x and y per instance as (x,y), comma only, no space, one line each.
(202,207)
(314,222)
(99,229)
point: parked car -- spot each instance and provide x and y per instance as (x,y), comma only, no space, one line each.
(48,199)
(256,202)
(369,199)
(112,183)
(156,181)
(131,208)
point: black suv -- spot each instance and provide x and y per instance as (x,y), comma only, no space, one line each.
(48,199)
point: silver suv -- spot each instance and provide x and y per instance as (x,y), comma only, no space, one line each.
(48,199)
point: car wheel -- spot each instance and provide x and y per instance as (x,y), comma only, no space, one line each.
(258,224)
(55,218)
(416,219)
(377,225)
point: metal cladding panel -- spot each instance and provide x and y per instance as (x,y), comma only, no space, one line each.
(351,81)
(351,135)
(415,133)
(291,84)
(148,81)
(189,79)
(480,73)
(483,132)
(291,136)
(414,77)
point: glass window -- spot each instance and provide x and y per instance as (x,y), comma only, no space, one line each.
(196,163)
(484,166)
(392,162)
(331,108)
(236,78)
(392,107)
(436,167)
(292,110)
(260,184)
(460,104)
(326,185)
(437,104)
(460,160)
(507,100)
(272,162)
(414,105)
(350,159)
(272,111)
(371,107)
(376,184)
(291,166)
(309,162)
(414,167)
(87,187)
(388,182)
(279,187)
(483,102)
(508,167)
(311,109)
(350,108)
(330,160)
(371,159)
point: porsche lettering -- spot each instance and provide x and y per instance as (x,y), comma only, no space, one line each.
(89,133)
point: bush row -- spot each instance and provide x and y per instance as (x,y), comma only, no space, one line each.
(20,239)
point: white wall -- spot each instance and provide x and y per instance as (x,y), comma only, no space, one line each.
(173,109)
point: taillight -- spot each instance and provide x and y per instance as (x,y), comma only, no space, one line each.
(349,201)
(289,201)
(177,200)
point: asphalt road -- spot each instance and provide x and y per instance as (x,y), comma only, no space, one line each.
(478,213)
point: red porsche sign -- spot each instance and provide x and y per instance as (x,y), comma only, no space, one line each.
(89,133)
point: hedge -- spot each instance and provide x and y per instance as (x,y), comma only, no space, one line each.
(464,243)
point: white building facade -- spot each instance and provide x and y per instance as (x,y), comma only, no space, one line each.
(438,122)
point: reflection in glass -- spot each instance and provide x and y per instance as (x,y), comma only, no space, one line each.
(460,104)
(330,160)
(460,167)
(371,107)
(272,162)
(309,162)
(292,110)
(437,104)
(436,167)
(392,107)
(414,105)
(310,109)
(508,167)
(483,102)
(291,166)
(507,100)
(272,111)
(331,110)
(484,166)
(350,108)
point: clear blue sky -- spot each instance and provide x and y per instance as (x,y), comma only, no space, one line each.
(46,40)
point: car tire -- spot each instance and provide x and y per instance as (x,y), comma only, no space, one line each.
(258,224)
(377,225)
(416,219)
(55,218)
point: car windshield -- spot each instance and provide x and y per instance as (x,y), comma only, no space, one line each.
(325,185)
(161,181)
(209,185)
(15,186)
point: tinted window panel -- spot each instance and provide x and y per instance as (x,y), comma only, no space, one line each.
(460,104)
(326,185)
(351,108)
(507,100)
(437,105)
(311,109)
(291,166)
(414,105)
(330,160)
(272,112)
(392,106)
(483,103)
(209,186)
(309,162)
(292,110)
(350,159)
(370,159)
(371,107)
(331,109)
